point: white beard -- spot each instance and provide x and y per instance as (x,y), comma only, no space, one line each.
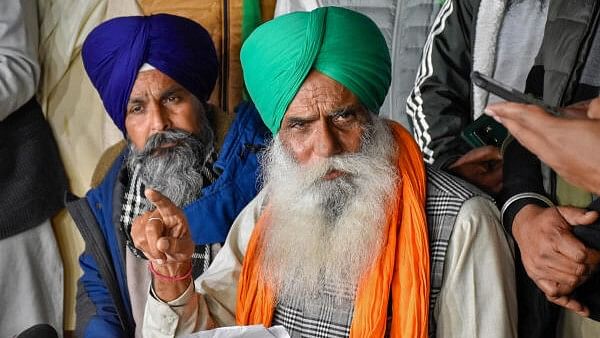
(326,232)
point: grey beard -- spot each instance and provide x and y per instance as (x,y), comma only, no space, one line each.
(175,172)
(326,231)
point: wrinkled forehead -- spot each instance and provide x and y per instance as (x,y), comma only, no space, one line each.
(321,93)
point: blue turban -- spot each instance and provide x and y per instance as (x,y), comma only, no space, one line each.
(180,48)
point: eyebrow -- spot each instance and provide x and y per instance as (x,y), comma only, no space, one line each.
(297,119)
(174,89)
(339,110)
(136,100)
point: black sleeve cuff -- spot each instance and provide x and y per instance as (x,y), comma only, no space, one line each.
(509,213)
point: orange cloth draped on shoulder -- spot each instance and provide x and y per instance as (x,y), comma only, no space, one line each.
(402,265)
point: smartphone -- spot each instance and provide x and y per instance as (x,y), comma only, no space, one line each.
(484,131)
(508,93)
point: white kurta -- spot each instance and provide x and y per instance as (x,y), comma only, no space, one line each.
(477,297)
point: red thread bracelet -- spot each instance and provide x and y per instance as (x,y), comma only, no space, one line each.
(169,278)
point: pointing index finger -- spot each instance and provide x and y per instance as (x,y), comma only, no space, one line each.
(164,206)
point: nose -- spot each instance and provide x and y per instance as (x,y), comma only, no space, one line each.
(327,142)
(159,118)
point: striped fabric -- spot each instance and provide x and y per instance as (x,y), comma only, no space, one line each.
(322,317)
(414,103)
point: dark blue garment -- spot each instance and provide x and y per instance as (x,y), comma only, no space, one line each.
(210,218)
(114,51)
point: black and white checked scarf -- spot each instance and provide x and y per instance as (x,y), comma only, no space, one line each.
(134,203)
(328,315)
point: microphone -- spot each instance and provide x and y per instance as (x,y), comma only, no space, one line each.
(39,331)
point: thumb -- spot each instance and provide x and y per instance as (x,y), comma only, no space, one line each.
(175,249)
(163,244)
(594,109)
(578,216)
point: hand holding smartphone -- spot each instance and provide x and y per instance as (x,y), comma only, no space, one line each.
(508,93)
(485,130)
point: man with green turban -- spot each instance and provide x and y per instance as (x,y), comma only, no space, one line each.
(351,235)
(354,54)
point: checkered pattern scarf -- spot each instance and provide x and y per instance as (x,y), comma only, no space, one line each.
(327,316)
(135,203)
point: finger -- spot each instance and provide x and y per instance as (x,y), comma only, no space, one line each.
(552,288)
(578,216)
(514,111)
(592,260)
(138,233)
(577,110)
(153,231)
(567,281)
(176,250)
(169,212)
(571,304)
(521,120)
(559,268)
(565,242)
(504,111)
(594,109)
(494,180)
(569,246)
(179,230)
(481,154)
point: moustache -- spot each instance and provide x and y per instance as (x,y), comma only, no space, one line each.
(345,165)
(166,139)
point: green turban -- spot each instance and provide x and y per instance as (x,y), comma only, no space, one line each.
(342,44)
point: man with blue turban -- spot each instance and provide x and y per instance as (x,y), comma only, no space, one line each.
(154,75)
(351,236)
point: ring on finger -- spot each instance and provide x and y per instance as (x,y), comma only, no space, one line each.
(155,219)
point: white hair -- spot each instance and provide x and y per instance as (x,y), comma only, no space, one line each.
(326,232)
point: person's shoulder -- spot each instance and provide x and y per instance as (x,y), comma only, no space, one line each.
(443,184)
(107,162)
(450,196)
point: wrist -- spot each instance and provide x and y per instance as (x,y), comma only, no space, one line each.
(173,283)
(171,272)
(525,214)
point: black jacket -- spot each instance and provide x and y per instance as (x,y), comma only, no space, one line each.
(439,106)
(569,32)
(568,36)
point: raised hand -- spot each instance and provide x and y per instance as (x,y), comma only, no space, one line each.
(567,144)
(163,235)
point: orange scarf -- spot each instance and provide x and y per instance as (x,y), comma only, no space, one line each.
(402,265)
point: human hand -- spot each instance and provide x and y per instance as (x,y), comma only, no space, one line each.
(554,259)
(163,235)
(482,167)
(576,110)
(568,145)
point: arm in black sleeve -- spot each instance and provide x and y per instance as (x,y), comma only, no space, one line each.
(439,105)
(522,182)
